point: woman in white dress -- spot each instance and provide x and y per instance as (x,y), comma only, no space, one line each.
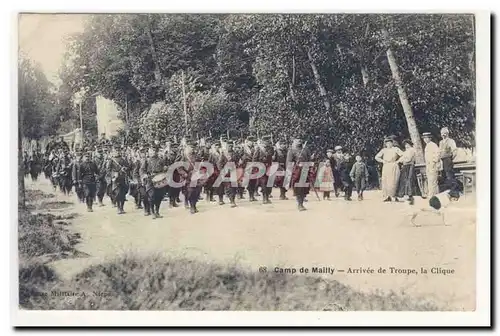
(390,170)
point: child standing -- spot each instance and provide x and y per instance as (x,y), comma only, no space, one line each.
(359,175)
(325,176)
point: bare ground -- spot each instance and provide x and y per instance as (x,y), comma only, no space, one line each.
(333,234)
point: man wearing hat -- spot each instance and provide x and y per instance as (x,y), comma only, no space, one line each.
(84,175)
(118,169)
(299,154)
(264,154)
(172,156)
(150,167)
(64,169)
(432,164)
(100,161)
(134,162)
(75,164)
(191,192)
(447,151)
(248,156)
(279,156)
(336,162)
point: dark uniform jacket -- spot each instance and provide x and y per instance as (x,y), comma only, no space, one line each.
(85,172)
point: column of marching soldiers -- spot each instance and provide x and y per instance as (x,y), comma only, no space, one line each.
(106,169)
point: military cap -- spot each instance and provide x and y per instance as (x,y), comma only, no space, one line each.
(338,148)
(330,151)
(426,135)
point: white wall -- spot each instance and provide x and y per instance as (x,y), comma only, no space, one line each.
(108,121)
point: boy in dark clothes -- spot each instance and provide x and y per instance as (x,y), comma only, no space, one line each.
(359,175)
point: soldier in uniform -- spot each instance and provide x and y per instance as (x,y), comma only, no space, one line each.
(149,167)
(207,155)
(264,154)
(191,192)
(299,154)
(84,174)
(248,156)
(135,183)
(228,155)
(118,170)
(173,156)
(64,171)
(279,156)
(100,161)
(76,181)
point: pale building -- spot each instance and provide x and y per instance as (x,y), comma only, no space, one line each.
(108,121)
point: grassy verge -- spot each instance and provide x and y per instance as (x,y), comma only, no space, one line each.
(159,283)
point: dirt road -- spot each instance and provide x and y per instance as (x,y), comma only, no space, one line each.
(369,235)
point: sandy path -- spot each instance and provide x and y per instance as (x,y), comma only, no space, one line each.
(334,234)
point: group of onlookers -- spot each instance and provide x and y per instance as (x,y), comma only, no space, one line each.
(398,170)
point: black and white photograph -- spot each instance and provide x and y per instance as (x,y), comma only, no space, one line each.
(284,162)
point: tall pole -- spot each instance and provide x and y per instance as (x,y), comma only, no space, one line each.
(126,118)
(184,103)
(81,124)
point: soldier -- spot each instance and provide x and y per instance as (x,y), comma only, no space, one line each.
(64,171)
(135,183)
(75,174)
(207,155)
(248,155)
(154,195)
(107,173)
(264,154)
(100,161)
(191,192)
(118,170)
(279,156)
(336,162)
(173,156)
(298,154)
(84,174)
(228,155)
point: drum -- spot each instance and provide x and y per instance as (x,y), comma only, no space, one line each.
(160,180)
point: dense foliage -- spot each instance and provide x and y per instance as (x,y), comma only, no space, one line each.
(323,77)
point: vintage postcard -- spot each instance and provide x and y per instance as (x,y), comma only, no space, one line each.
(226,163)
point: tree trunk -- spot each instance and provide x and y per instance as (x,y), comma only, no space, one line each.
(364,75)
(321,88)
(410,118)
(154,55)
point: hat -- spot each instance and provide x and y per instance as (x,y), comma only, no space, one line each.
(329,150)
(338,148)
(388,139)
(426,135)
